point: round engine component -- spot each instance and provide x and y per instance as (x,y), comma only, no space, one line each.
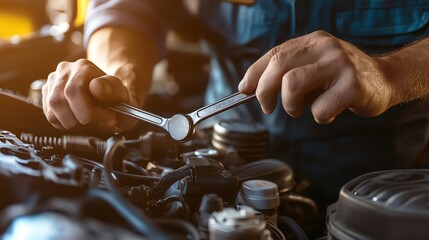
(241,223)
(261,195)
(250,140)
(382,205)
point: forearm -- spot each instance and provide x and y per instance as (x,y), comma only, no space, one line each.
(125,54)
(408,70)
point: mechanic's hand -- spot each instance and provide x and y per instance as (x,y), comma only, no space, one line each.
(69,92)
(321,70)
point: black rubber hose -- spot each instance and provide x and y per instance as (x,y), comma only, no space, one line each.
(114,152)
(168,179)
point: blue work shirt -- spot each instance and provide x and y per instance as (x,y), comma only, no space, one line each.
(236,35)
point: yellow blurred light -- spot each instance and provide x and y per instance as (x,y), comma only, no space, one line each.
(12,24)
(81,12)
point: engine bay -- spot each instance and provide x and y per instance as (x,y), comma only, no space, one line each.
(219,185)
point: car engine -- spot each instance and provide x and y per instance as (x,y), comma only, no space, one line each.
(219,185)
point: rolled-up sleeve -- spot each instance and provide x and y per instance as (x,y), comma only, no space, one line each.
(151,18)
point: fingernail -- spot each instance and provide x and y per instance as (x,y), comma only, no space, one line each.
(241,85)
(326,121)
(264,110)
(104,85)
(69,124)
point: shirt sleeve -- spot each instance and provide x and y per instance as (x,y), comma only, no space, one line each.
(151,18)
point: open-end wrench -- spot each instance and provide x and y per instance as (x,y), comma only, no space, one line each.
(181,126)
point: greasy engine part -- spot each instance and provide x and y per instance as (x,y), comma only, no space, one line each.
(382,205)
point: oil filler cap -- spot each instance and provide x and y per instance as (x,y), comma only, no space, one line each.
(259,194)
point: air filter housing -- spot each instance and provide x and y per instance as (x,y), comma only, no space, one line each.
(382,205)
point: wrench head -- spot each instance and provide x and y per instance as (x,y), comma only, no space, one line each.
(180,127)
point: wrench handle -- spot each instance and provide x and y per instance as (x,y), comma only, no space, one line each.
(220,106)
(136,113)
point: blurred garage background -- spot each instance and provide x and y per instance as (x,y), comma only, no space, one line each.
(35,35)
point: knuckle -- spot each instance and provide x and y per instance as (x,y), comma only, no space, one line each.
(291,80)
(55,99)
(44,90)
(82,62)
(51,77)
(276,58)
(332,43)
(320,33)
(72,88)
(262,95)
(63,65)
(62,72)
(275,50)
(325,41)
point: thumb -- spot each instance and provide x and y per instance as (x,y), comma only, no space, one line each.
(108,88)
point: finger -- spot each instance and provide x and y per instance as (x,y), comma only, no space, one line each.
(253,74)
(301,84)
(336,99)
(250,80)
(271,80)
(109,89)
(77,93)
(50,116)
(59,106)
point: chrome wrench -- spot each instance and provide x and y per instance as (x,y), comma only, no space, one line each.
(181,126)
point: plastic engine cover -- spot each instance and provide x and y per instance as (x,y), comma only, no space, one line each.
(382,205)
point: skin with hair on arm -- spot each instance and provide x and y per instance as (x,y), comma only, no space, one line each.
(332,75)
(118,69)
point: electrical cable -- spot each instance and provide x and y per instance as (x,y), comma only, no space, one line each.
(170,199)
(137,219)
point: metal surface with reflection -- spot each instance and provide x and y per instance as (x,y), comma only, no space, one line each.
(181,126)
